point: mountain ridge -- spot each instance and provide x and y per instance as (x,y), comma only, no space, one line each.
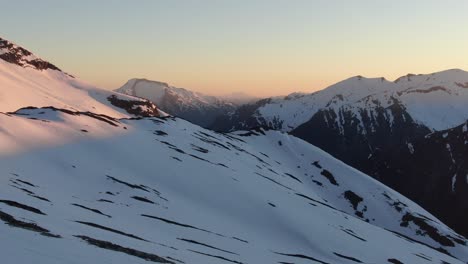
(28,80)
(90,174)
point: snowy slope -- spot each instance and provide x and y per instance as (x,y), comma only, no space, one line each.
(195,107)
(27,80)
(165,190)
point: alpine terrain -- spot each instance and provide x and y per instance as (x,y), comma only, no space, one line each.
(89,175)
(409,134)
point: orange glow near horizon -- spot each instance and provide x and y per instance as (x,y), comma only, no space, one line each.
(259,47)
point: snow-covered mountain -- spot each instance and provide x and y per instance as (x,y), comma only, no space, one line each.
(84,181)
(374,126)
(26,80)
(436,101)
(79,187)
(195,107)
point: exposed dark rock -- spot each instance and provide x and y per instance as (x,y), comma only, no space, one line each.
(22,57)
(142,108)
(426,229)
(329,176)
(353,198)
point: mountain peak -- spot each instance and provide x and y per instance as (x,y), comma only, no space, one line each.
(12,53)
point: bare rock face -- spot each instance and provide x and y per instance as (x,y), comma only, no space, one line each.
(143,108)
(12,53)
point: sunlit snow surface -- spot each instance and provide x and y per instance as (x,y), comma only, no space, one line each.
(184,194)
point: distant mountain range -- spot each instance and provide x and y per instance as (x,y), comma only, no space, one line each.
(90,175)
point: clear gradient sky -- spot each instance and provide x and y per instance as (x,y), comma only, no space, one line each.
(261,47)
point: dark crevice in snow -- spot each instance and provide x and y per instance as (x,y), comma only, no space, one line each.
(104,118)
(206,245)
(40,198)
(11,221)
(270,179)
(394,261)
(301,257)
(293,177)
(316,164)
(129,251)
(347,257)
(407,238)
(241,240)
(176,158)
(174,259)
(311,199)
(142,199)
(212,142)
(214,256)
(110,230)
(160,133)
(423,257)
(22,189)
(22,206)
(317,182)
(26,182)
(351,233)
(91,209)
(202,159)
(199,149)
(105,201)
(179,224)
(133,186)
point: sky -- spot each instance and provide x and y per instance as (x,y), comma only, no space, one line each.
(258,47)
